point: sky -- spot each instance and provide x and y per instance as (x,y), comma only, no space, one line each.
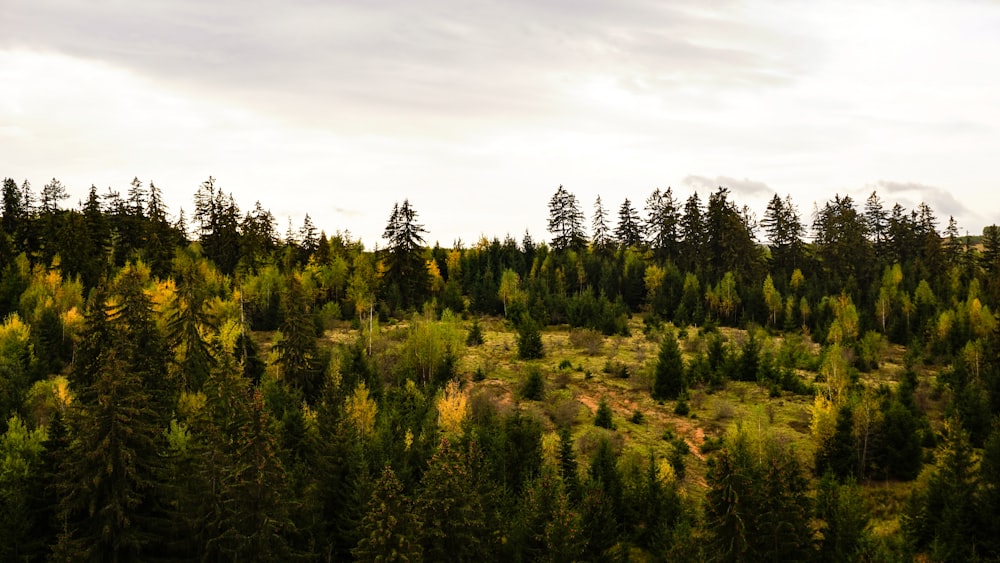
(476,112)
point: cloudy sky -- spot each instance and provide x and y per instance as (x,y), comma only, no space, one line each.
(478,111)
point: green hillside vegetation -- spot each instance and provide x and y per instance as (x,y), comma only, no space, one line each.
(689,384)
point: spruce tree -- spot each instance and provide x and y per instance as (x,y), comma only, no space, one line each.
(628,233)
(566,221)
(450,508)
(669,382)
(529,339)
(406,269)
(390,531)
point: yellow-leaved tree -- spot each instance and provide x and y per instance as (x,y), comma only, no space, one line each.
(453,407)
(361,410)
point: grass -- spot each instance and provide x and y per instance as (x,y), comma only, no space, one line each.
(571,397)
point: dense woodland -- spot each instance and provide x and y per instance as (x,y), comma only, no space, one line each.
(201,387)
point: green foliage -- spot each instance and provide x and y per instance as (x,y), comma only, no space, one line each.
(757,507)
(475,336)
(529,340)
(533,387)
(390,531)
(602,418)
(841,509)
(669,380)
(450,507)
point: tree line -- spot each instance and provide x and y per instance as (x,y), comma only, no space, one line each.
(165,390)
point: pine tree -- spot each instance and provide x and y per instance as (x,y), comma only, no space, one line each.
(108,477)
(450,508)
(669,380)
(693,235)
(529,339)
(628,233)
(602,418)
(566,221)
(188,319)
(841,509)
(406,270)
(297,348)
(662,224)
(390,531)
(601,240)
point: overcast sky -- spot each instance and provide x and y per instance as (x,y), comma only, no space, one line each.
(477,111)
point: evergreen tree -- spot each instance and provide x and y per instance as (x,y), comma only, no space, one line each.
(297,347)
(406,270)
(189,319)
(450,508)
(389,531)
(669,381)
(529,339)
(566,221)
(841,509)
(693,235)
(784,233)
(602,417)
(756,506)
(942,517)
(662,224)
(838,455)
(601,240)
(108,477)
(628,233)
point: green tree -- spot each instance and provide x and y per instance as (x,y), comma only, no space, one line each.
(784,231)
(21,483)
(450,507)
(108,477)
(669,381)
(628,233)
(841,509)
(390,531)
(189,323)
(566,221)
(406,270)
(662,224)
(601,239)
(297,347)
(942,517)
(756,508)
(529,339)
(602,417)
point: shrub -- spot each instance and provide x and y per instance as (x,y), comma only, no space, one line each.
(616,369)
(586,339)
(637,417)
(682,409)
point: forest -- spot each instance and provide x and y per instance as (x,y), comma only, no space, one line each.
(679,380)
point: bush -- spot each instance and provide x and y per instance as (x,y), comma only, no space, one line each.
(637,417)
(711,445)
(565,364)
(682,409)
(586,339)
(616,369)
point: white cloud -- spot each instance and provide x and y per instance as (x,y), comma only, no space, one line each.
(476,112)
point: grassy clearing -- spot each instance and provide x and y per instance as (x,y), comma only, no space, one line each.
(582,368)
